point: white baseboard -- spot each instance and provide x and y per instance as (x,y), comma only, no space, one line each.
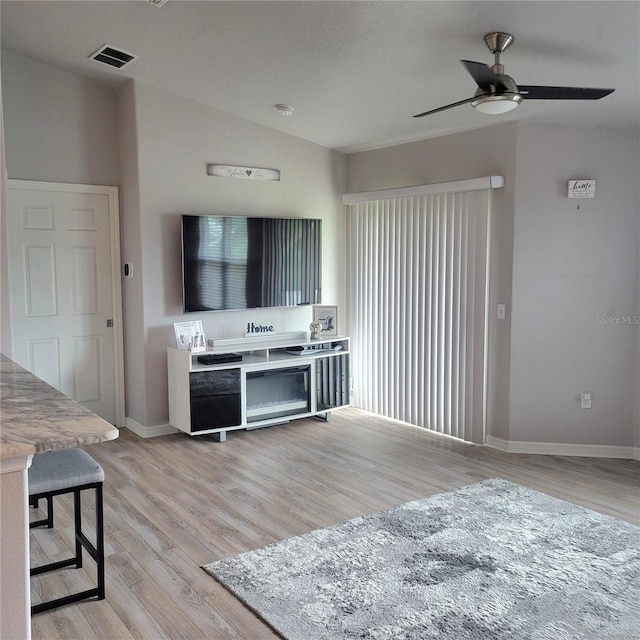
(564,449)
(150,432)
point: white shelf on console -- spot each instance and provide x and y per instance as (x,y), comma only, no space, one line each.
(247,359)
(257,342)
(259,349)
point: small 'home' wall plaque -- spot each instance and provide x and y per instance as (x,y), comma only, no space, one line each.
(581,189)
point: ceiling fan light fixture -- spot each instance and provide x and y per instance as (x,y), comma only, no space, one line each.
(497,92)
(496,105)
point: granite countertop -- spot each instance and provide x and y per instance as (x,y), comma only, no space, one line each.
(35,417)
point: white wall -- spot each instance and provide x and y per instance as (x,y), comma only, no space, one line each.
(5,315)
(572,270)
(637,441)
(175,139)
(59,127)
(130,250)
(575,279)
(569,267)
(155,147)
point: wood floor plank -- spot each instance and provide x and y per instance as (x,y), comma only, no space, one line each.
(139,622)
(155,599)
(101,616)
(174,502)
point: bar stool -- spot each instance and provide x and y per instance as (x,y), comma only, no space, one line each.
(69,471)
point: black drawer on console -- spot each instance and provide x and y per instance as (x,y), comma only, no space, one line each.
(214,383)
(215,399)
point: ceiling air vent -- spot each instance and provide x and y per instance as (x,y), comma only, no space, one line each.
(116,58)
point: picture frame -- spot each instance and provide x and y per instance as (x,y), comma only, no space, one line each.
(327,316)
(190,336)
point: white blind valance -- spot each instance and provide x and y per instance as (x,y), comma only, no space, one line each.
(456,186)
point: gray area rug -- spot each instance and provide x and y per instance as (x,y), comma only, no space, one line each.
(492,560)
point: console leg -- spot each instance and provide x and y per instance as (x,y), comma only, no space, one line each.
(326,416)
(221,436)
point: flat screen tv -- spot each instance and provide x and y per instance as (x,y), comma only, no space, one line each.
(235,262)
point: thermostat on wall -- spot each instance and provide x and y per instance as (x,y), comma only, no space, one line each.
(581,189)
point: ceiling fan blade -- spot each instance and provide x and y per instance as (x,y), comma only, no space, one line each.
(449,106)
(531,92)
(482,74)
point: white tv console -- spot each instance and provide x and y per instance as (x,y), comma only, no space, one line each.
(280,378)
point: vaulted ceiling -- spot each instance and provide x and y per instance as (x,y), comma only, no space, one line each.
(356,71)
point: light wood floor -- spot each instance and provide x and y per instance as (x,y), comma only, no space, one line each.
(174,503)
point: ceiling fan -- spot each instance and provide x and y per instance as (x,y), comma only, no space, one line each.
(498,93)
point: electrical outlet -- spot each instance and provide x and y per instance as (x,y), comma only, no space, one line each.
(502,311)
(585,400)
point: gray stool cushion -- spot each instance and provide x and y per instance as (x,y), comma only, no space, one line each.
(63,469)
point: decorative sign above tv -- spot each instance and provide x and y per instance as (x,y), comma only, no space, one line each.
(235,262)
(247,173)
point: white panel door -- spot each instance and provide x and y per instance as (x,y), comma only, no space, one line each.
(62,298)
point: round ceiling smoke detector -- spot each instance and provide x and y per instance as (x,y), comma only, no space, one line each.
(284,110)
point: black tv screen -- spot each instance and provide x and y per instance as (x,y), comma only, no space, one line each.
(235,262)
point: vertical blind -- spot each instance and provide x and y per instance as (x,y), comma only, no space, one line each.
(418,293)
